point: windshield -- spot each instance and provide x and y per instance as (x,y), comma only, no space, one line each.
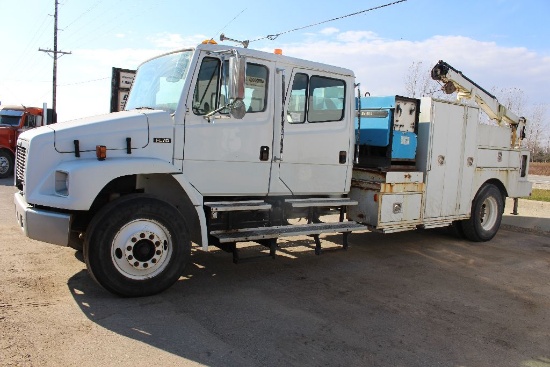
(10,117)
(159,82)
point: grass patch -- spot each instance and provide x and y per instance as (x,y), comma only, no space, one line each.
(539,195)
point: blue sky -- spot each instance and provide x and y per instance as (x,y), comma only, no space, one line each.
(497,43)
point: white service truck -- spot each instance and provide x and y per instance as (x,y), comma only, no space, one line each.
(220,145)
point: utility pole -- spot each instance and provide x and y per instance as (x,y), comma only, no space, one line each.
(55,54)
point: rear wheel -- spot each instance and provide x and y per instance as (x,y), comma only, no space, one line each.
(137,246)
(486,215)
(6,164)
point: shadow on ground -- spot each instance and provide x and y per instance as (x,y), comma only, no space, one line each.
(416,299)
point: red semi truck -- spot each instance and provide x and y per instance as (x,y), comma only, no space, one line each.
(13,121)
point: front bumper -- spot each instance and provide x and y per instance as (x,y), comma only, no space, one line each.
(42,225)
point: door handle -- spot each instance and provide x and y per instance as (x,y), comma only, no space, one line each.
(264,153)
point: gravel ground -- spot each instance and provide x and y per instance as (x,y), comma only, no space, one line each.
(421,298)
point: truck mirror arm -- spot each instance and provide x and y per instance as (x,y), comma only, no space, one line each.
(237,110)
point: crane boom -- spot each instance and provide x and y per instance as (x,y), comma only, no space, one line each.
(455,81)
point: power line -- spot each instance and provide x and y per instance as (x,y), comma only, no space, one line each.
(110,22)
(83,82)
(272,37)
(24,61)
(84,13)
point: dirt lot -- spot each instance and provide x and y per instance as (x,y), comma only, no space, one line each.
(411,299)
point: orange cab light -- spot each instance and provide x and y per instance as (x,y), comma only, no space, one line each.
(210,41)
(101,152)
(278,51)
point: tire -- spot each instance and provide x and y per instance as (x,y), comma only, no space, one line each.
(486,215)
(455,229)
(137,246)
(6,164)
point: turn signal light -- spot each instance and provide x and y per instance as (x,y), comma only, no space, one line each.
(101,152)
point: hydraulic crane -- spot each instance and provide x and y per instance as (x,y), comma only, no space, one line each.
(455,81)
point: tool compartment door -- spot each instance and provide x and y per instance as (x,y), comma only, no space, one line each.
(450,160)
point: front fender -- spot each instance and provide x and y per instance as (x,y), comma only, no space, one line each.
(87,177)
(5,147)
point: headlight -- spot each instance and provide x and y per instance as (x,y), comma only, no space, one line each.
(62,183)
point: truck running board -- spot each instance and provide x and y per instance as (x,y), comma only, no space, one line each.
(267,236)
(231,206)
(262,233)
(320,202)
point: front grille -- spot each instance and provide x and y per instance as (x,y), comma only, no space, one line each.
(21,162)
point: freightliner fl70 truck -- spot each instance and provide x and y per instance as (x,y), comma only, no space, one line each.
(220,145)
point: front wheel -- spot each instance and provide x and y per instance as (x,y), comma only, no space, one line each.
(6,164)
(137,246)
(486,215)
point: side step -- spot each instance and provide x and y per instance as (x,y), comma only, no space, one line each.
(231,206)
(320,202)
(267,236)
(262,233)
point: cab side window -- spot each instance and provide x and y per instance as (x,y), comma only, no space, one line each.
(211,87)
(255,88)
(296,111)
(319,98)
(205,97)
(326,97)
(31,121)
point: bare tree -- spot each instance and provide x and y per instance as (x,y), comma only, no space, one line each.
(511,98)
(537,132)
(419,83)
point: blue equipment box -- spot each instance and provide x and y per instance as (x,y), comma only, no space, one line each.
(389,122)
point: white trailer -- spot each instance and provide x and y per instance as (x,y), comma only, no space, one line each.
(221,145)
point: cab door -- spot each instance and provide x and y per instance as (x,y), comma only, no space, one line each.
(223,155)
(317,135)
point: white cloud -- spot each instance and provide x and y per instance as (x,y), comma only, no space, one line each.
(380,66)
(329,31)
(173,41)
(357,36)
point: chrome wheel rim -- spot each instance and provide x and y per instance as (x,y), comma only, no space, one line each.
(141,249)
(489,213)
(4,165)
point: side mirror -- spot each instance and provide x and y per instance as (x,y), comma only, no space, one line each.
(237,79)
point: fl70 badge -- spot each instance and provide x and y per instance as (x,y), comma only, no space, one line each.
(162,140)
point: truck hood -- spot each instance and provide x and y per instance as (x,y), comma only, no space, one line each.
(110,130)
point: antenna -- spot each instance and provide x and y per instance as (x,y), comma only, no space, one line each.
(244,43)
(228,23)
